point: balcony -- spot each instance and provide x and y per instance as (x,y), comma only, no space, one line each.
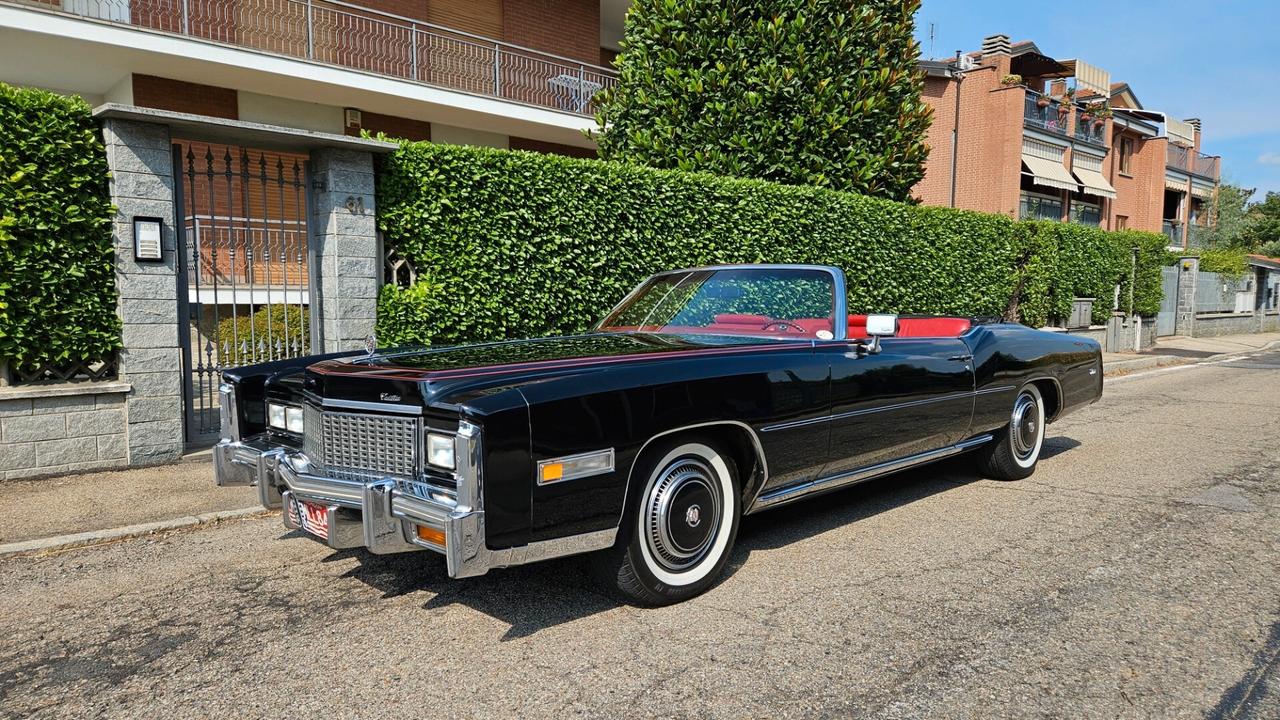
(1089,131)
(1173,230)
(348,36)
(1188,161)
(1044,113)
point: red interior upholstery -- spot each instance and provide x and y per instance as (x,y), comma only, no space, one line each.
(915,327)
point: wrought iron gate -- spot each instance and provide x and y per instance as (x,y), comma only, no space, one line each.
(244,280)
(1166,319)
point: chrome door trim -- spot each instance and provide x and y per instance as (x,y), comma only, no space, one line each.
(790,493)
(885,408)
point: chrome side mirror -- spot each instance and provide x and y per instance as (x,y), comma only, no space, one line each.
(879,326)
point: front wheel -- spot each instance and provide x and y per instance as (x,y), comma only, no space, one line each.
(1016,450)
(678,531)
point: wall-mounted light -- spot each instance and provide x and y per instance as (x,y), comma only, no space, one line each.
(147,232)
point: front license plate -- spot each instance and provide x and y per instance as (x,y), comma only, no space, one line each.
(313,518)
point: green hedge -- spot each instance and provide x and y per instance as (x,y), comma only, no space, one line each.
(57,288)
(516,244)
(272,331)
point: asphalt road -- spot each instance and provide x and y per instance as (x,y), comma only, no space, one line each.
(1137,574)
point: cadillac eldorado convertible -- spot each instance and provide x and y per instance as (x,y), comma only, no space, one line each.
(705,395)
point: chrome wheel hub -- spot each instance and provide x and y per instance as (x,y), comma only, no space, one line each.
(1025,426)
(682,511)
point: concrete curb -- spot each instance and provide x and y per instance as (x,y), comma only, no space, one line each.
(1157,361)
(94,537)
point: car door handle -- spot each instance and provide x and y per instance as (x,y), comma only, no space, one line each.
(960,358)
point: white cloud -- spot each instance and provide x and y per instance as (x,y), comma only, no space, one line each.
(1269,158)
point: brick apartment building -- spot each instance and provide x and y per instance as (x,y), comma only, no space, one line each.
(504,73)
(1023,134)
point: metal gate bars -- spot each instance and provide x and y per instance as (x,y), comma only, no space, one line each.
(243,271)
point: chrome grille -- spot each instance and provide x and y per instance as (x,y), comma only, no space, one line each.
(362,446)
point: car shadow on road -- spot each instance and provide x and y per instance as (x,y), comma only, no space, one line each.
(535,597)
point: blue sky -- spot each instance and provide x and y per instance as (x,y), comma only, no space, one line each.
(1212,60)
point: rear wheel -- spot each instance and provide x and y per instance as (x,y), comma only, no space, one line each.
(679,527)
(1016,450)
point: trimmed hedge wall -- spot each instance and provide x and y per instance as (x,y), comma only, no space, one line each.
(516,244)
(57,290)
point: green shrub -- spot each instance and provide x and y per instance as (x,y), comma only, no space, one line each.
(1225,261)
(515,244)
(794,91)
(57,290)
(264,335)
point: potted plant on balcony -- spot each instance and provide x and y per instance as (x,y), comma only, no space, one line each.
(1042,101)
(1011,79)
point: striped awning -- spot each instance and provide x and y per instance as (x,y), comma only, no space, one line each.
(1088,170)
(1044,162)
(1201,191)
(1175,186)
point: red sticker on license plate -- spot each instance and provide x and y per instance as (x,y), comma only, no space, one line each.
(313,518)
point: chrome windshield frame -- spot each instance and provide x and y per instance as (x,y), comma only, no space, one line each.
(839,302)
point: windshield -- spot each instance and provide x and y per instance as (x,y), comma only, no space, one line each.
(737,301)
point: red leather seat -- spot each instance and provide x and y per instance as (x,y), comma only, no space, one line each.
(932,327)
(915,327)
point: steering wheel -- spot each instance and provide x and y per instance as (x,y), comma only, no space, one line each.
(785,325)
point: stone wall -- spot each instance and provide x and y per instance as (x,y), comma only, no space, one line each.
(142,184)
(1215,325)
(343,232)
(61,429)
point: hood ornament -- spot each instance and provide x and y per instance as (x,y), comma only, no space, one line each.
(370,345)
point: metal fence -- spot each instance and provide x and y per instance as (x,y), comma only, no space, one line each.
(359,38)
(1217,293)
(1044,113)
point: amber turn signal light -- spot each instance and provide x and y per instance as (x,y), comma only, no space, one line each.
(431,535)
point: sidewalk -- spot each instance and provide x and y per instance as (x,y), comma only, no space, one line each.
(71,504)
(1179,350)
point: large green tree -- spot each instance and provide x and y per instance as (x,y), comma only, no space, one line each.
(805,92)
(1230,217)
(1264,225)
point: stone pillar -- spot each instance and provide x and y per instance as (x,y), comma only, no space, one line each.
(142,184)
(1188,273)
(344,236)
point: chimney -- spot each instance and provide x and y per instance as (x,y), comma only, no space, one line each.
(995,45)
(1194,122)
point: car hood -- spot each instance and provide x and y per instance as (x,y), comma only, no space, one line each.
(450,371)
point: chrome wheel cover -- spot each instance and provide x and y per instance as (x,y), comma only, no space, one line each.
(682,512)
(1025,427)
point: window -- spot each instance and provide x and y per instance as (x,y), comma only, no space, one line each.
(1086,213)
(1126,155)
(1122,222)
(1039,207)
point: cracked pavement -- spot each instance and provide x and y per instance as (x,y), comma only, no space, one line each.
(1135,575)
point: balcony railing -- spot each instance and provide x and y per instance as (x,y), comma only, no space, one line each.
(349,36)
(1044,113)
(1173,230)
(1185,159)
(1090,131)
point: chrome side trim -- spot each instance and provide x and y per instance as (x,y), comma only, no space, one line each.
(755,440)
(884,408)
(372,406)
(781,496)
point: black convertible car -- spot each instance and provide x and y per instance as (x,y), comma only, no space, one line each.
(706,395)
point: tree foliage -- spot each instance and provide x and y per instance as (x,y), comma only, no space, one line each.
(515,244)
(811,92)
(1264,223)
(57,288)
(1229,218)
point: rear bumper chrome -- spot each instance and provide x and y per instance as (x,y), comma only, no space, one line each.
(384,515)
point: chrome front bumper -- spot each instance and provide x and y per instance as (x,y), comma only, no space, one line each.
(380,515)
